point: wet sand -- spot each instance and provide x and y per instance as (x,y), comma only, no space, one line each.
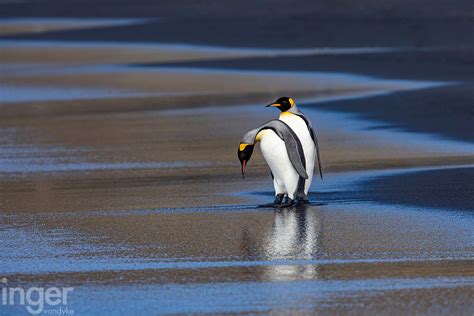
(118,173)
(355,250)
(406,110)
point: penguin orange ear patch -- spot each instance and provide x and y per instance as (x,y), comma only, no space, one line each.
(242,147)
(292,102)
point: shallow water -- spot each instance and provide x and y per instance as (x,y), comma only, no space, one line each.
(195,48)
(20,94)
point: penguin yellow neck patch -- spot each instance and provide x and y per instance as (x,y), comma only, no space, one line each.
(286,114)
(259,135)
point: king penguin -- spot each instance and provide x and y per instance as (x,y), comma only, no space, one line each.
(289,146)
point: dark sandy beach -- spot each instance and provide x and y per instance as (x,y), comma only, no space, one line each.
(118,176)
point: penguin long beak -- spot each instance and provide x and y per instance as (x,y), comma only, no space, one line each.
(273,104)
(244,165)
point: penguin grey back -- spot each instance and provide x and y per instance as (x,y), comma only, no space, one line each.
(292,143)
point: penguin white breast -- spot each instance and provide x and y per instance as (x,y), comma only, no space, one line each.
(274,152)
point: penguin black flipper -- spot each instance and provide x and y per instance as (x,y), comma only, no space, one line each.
(292,144)
(315,140)
(295,152)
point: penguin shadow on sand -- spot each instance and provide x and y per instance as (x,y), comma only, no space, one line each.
(294,208)
(311,204)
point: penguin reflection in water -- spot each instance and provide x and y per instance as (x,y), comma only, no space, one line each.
(289,146)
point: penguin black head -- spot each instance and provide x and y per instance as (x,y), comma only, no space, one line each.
(283,104)
(244,152)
